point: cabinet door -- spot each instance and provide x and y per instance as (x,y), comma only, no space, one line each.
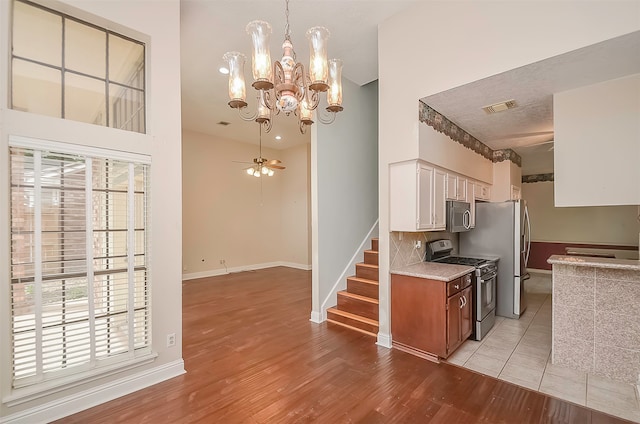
(482,192)
(452,187)
(439,200)
(454,335)
(461,192)
(425,196)
(515,192)
(466,317)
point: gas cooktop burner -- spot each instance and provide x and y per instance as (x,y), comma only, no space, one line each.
(456,260)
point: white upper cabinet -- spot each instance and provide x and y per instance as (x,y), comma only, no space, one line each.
(424,196)
(456,187)
(439,201)
(452,187)
(482,191)
(461,192)
(417,196)
(515,192)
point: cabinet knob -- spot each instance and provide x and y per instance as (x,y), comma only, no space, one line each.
(457,286)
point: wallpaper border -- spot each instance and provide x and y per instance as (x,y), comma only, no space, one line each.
(440,123)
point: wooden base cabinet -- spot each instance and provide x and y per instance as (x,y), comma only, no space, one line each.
(430,318)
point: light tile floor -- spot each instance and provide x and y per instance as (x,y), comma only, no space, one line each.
(519,351)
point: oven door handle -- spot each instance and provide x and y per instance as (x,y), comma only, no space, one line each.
(488,277)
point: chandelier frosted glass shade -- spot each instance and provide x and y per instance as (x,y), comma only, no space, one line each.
(237,89)
(284,85)
(318,69)
(260,32)
(334,95)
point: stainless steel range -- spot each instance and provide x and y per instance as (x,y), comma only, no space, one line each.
(484,284)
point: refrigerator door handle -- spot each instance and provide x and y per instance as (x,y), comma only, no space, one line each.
(526,215)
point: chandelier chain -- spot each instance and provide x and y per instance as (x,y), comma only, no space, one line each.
(287,30)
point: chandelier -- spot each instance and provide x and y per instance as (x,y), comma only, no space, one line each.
(284,86)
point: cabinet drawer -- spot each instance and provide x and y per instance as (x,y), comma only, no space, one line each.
(458,284)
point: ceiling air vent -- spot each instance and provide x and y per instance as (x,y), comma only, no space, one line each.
(224,123)
(499,107)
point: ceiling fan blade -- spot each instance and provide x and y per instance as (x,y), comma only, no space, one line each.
(276,166)
(240,161)
(273,162)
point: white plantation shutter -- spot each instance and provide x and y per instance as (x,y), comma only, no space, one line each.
(79,276)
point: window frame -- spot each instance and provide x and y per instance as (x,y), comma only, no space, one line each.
(81,374)
(63,69)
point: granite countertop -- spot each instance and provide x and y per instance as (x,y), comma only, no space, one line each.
(434,271)
(628,264)
(608,253)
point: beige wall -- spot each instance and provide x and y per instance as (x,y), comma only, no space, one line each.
(617,225)
(162,143)
(597,144)
(457,51)
(296,205)
(439,149)
(246,221)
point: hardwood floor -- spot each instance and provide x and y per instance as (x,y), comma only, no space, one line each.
(253,356)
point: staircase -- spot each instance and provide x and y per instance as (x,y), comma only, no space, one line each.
(358,305)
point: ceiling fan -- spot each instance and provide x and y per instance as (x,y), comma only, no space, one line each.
(263,166)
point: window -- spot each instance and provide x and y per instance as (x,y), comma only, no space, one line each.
(79,275)
(67,68)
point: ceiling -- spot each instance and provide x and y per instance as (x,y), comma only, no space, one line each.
(211,28)
(528,128)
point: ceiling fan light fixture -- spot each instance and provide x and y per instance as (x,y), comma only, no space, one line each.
(284,85)
(262,166)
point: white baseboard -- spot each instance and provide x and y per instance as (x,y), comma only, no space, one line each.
(253,267)
(316,317)
(296,266)
(68,405)
(384,340)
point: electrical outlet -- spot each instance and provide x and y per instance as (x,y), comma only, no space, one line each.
(171,339)
(418,244)
(222,262)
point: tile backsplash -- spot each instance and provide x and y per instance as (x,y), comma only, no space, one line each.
(403,251)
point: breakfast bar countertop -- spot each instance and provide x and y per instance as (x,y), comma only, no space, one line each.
(434,271)
(611,263)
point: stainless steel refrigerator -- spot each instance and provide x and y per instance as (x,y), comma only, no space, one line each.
(503,229)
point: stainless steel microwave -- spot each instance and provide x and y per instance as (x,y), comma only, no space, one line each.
(458,216)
